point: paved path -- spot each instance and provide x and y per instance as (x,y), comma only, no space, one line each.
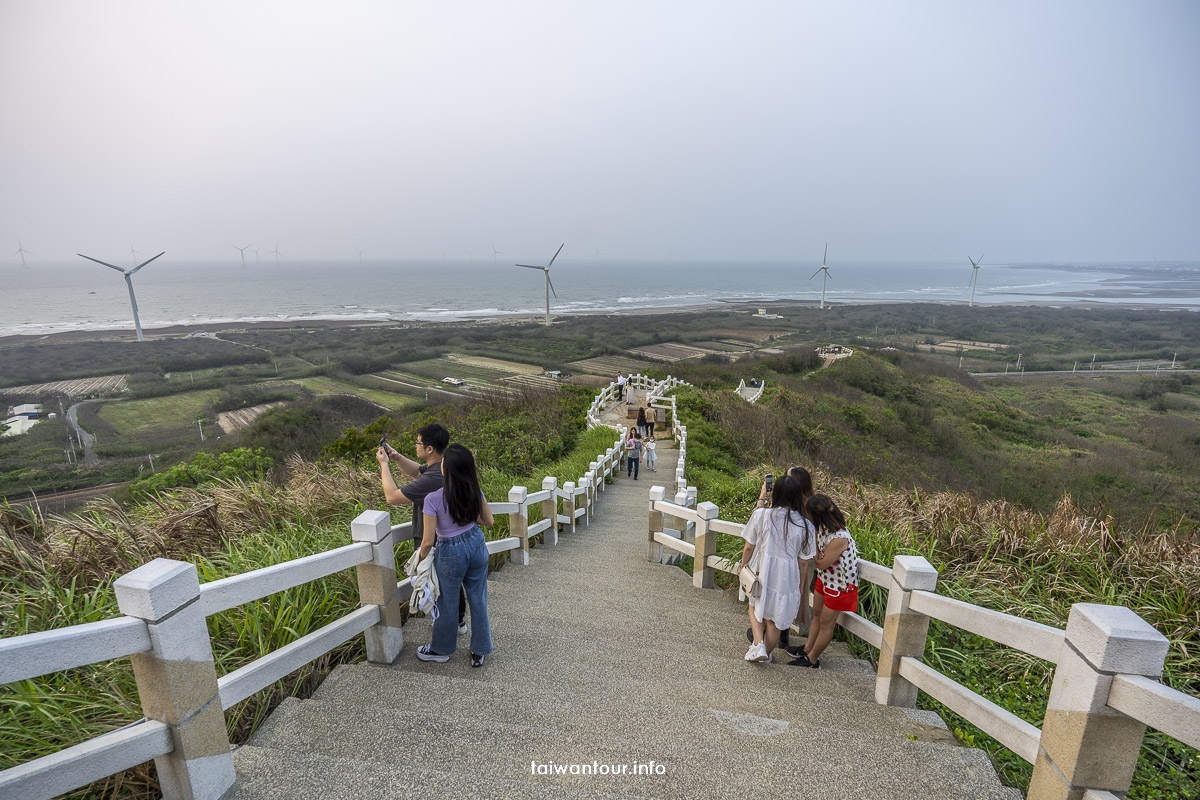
(603,658)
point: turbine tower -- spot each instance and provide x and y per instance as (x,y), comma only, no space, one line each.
(975,265)
(256,258)
(242,250)
(21,251)
(495,253)
(549,285)
(277,253)
(360,253)
(824,267)
(128,273)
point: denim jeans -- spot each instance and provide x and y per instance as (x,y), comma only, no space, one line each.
(462,562)
(633,464)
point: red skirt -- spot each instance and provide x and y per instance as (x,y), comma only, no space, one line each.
(846,600)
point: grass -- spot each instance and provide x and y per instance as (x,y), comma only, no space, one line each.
(134,417)
(324,385)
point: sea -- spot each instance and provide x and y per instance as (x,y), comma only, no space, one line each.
(51,297)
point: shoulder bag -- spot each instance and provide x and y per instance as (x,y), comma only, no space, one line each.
(748,574)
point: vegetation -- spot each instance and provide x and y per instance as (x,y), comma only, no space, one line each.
(990,552)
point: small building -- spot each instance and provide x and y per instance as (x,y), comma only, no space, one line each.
(454,381)
(30,410)
(554,373)
(14,426)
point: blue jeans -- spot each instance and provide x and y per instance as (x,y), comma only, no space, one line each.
(462,561)
(632,467)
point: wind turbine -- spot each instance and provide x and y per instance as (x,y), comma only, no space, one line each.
(975,265)
(824,267)
(128,273)
(242,250)
(21,251)
(133,254)
(471,255)
(549,285)
(598,253)
(495,253)
(360,253)
(277,253)
(256,258)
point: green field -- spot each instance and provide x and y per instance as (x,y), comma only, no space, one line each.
(322,385)
(139,416)
(437,368)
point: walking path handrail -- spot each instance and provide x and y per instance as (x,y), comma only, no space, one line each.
(753,396)
(1107,660)
(163,628)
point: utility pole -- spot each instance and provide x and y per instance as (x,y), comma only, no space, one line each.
(151,457)
(1074,367)
(1093,362)
(201,424)
(1173,360)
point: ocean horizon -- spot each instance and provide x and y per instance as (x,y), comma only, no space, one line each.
(53,297)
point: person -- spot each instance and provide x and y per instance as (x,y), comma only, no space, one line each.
(836,588)
(806,491)
(783,539)
(427,478)
(633,454)
(620,385)
(651,455)
(453,515)
(651,418)
(641,421)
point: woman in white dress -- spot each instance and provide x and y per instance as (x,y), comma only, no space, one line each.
(780,540)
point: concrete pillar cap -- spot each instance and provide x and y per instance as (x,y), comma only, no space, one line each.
(1115,639)
(154,590)
(371,526)
(657,492)
(914,572)
(518,494)
(707,510)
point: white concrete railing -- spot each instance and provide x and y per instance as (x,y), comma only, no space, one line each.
(163,629)
(1108,662)
(753,396)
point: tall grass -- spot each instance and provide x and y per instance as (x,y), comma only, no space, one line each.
(57,571)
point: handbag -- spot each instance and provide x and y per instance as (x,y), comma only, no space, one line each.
(748,580)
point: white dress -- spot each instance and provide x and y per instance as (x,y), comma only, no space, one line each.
(777,548)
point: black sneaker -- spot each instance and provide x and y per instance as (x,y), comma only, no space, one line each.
(802,661)
(476,660)
(795,652)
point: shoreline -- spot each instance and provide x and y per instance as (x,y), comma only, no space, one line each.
(1096,302)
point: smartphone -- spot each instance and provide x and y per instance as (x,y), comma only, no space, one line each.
(383,443)
(770,482)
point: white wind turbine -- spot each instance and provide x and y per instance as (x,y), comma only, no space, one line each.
(598,254)
(276,253)
(549,285)
(471,255)
(21,251)
(128,273)
(133,254)
(360,253)
(495,253)
(975,265)
(242,250)
(826,277)
(256,258)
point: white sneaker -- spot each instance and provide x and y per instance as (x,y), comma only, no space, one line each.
(462,629)
(770,659)
(757,652)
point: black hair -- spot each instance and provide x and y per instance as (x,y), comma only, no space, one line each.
(461,484)
(641,418)
(806,485)
(637,434)
(789,493)
(825,514)
(434,435)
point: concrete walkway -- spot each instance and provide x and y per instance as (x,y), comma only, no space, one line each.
(607,661)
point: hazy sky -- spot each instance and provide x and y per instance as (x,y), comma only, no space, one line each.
(1046,129)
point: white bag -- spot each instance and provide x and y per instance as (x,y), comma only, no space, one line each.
(426,588)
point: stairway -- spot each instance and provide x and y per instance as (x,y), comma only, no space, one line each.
(603,658)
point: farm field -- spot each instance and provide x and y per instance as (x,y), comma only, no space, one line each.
(106,384)
(508,367)
(531,382)
(670,351)
(437,368)
(139,416)
(608,366)
(322,385)
(231,421)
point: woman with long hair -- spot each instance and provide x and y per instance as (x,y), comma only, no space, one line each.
(453,515)
(782,539)
(806,575)
(836,588)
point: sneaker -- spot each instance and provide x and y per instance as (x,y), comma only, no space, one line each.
(803,661)
(796,652)
(757,653)
(476,660)
(462,629)
(425,653)
(770,659)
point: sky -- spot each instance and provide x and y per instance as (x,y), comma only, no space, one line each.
(1026,130)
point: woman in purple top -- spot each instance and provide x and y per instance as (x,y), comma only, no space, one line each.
(453,515)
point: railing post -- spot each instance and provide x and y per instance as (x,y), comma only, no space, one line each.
(655,524)
(593,471)
(685,526)
(904,630)
(550,510)
(176,679)
(377,585)
(706,545)
(1085,744)
(569,503)
(518,524)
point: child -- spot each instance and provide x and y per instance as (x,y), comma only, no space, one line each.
(651,456)
(836,588)
(633,454)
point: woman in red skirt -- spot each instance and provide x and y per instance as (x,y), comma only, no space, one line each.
(836,588)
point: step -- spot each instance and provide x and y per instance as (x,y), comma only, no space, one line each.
(701,767)
(685,703)
(272,774)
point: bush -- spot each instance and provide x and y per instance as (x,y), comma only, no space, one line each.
(205,467)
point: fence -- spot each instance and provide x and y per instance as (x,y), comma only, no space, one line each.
(163,629)
(1107,665)
(751,394)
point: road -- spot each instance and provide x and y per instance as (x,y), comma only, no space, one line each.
(1082,373)
(89,455)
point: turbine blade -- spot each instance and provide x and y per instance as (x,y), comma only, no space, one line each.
(98,261)
(528,266)
(825,258)
(144,263)
(828,274)
(971,260)
(815,274)
(550,283)
(556,252)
